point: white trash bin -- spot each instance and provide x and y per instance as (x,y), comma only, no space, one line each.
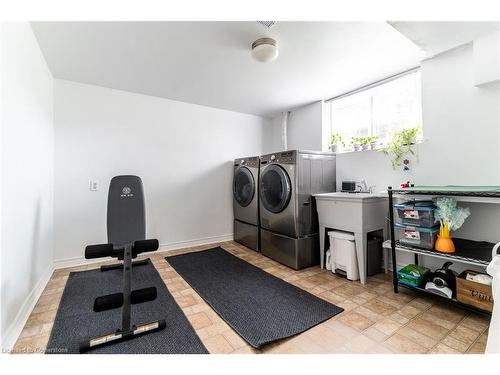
(343,254)
(328,260)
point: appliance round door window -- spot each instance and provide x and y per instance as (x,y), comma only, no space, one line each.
(243,186)
(275,189)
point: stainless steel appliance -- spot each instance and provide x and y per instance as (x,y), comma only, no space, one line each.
(246,202)
(288,217)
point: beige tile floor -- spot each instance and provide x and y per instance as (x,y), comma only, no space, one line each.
(375,319)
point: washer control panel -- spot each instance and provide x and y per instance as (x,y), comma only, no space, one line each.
(252,162)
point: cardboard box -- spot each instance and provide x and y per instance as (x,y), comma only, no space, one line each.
(474,294)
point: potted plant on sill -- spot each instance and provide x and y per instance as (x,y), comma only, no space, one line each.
(451,217)
(336,142)
(365,143)
(401,144)
(356,143)
(373,142)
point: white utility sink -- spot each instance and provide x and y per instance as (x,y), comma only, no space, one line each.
(358,213)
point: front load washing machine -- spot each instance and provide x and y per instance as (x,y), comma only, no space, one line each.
(288,216)
(246,202)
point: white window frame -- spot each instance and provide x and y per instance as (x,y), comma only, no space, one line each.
(328,113)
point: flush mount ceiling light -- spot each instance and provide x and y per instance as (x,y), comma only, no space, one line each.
(265,49)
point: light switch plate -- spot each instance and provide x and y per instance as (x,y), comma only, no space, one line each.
(93,185)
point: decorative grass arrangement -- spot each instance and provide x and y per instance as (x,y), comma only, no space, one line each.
(451,217)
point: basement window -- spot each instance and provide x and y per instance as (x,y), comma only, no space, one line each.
(378,109)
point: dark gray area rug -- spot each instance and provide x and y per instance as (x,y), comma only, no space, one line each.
(76,321)
(260,307)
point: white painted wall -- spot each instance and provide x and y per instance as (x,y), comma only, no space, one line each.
(305,130)
(487,58)
(305,127)
(27,176)
(272,135)
(182,152)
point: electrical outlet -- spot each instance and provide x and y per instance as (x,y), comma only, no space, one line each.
(93,185)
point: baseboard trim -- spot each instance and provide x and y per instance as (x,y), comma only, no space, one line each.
(74,262)
(15,329)
(81,261)
(191,243)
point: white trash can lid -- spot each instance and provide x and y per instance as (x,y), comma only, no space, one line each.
(341,235)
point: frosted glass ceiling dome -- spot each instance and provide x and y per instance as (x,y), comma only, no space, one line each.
(265,49)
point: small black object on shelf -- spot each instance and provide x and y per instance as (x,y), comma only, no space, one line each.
(443,281)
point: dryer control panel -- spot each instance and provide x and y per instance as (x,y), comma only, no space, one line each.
(284,157)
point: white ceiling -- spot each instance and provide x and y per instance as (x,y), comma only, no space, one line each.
(209,63)
(437,37)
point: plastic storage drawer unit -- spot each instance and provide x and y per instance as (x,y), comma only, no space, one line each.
(423,237)
(416,213)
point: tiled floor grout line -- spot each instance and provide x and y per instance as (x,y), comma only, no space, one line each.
(476,340)
(450,331)
(408,322)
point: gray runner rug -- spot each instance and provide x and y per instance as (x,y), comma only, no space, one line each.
(260,307)
(76,321)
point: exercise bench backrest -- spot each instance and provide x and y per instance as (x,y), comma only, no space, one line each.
(126,211)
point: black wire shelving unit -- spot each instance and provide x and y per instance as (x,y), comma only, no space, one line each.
(477,253)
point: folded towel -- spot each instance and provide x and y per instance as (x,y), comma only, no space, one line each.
(479,278)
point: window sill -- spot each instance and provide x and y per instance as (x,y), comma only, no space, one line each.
(378,148)
(359,151)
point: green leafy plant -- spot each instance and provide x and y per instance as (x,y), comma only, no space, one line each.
(367,140)
(336,139)
(401,145)
(355,141)
(364,140)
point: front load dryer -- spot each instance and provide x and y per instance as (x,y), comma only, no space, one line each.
(246,202)
(288,216)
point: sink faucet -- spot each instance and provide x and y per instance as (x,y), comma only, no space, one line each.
(364,188)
